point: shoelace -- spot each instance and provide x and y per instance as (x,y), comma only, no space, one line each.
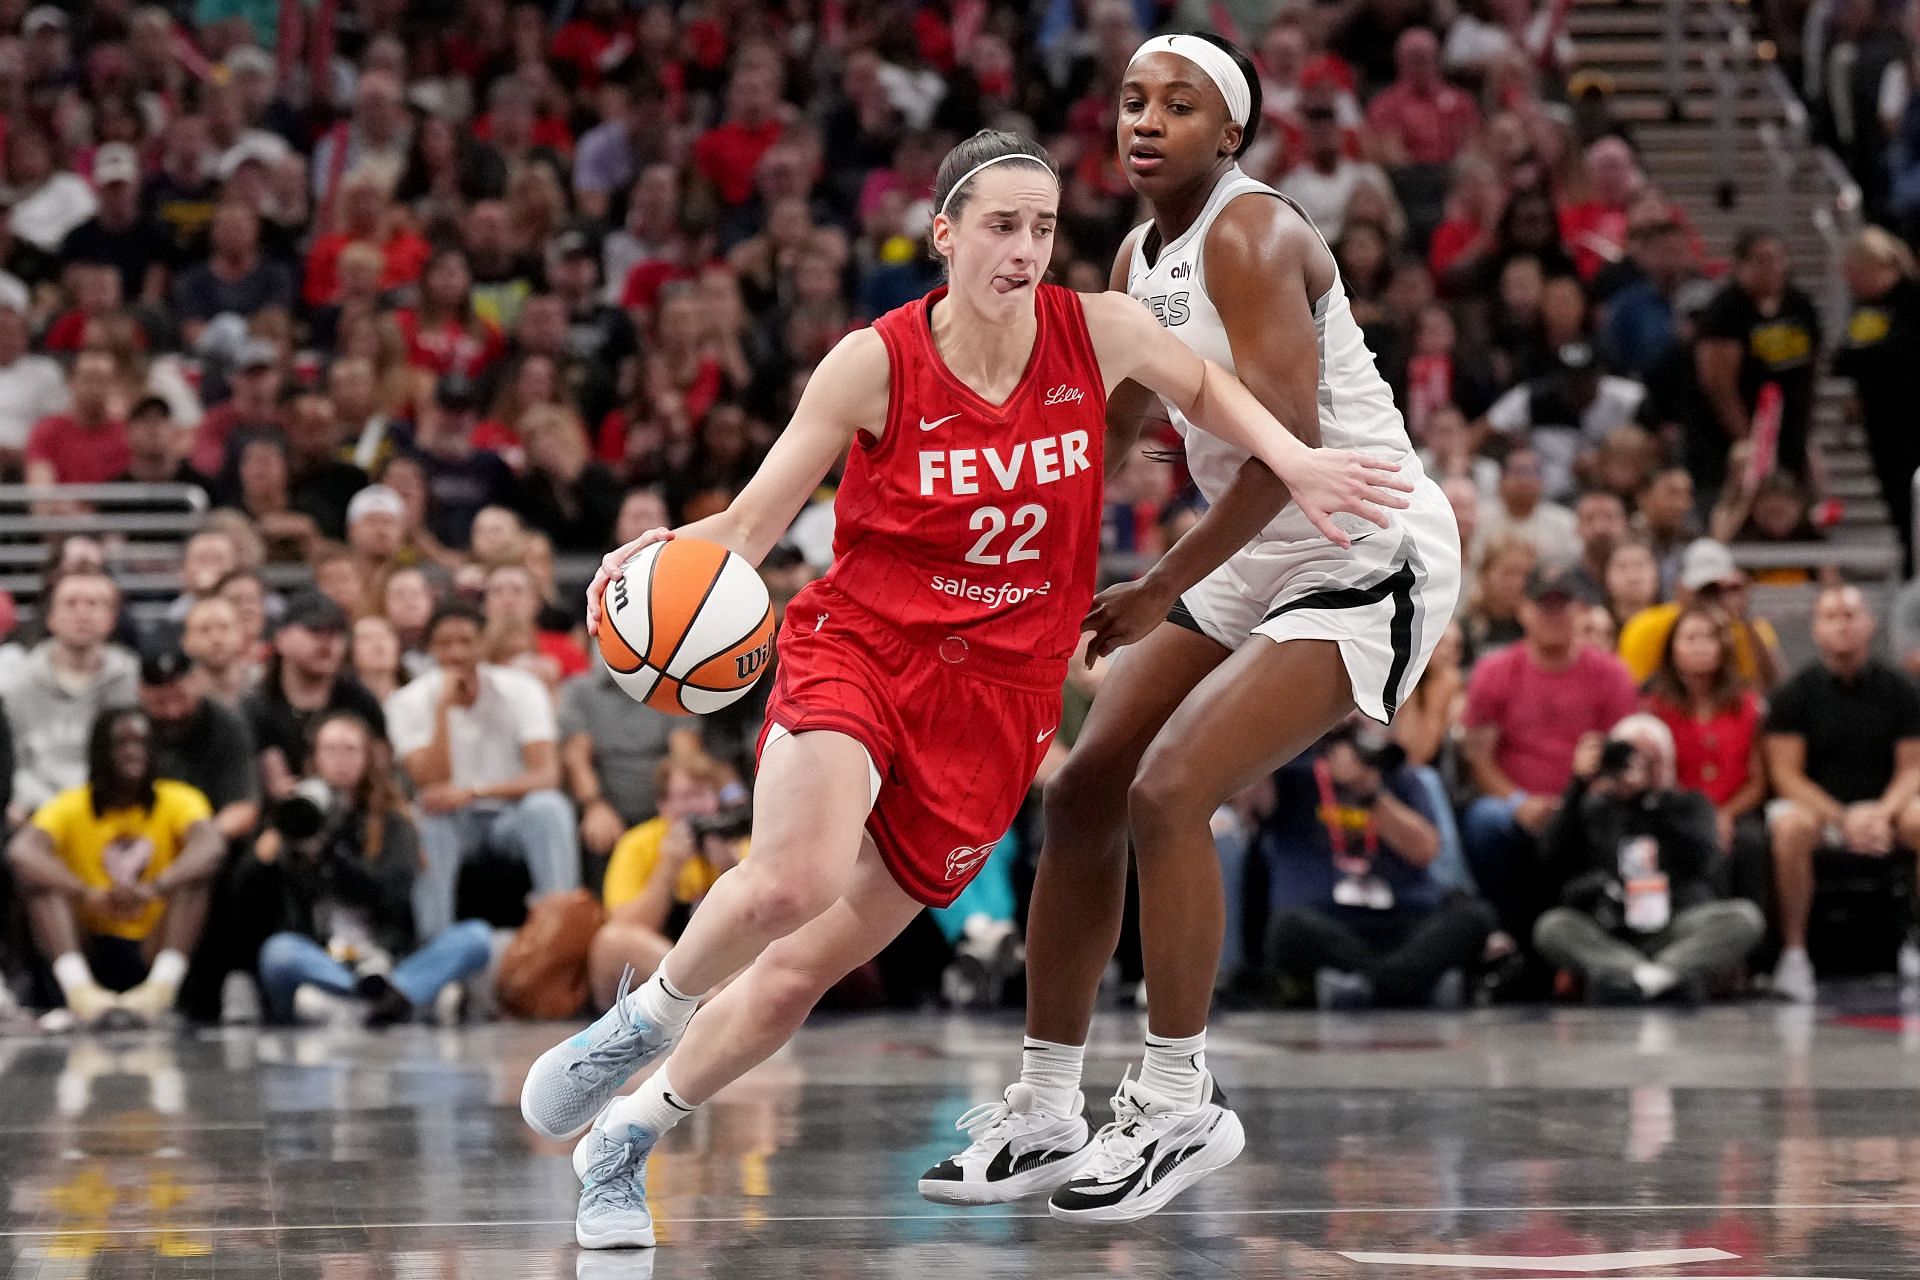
(603,1180)
(1118,1145)
(612,1053)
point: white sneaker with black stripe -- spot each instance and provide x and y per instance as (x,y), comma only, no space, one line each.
(1017,1150)
(1150,1153)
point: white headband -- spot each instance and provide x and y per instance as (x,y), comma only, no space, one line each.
(968,176)
(1212,59)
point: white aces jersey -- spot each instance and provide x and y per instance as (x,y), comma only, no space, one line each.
(1356,405)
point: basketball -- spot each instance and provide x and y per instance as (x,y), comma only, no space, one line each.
(687,627)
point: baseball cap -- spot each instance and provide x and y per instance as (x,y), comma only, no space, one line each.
(456,393)
(569,244)
(1546,583)
(256,353)
(164,666)
(248,57)
(1706,562)
(376,499)
(115,162)
(1576,357)
(258,146)
(315,612)
(43,18)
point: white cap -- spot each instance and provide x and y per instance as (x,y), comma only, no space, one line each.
(115,162)
(249,57)
(1706,562)
(267,148)
(13,294)
(42,18)
(376,499)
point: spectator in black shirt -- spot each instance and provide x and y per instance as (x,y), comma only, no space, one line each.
(199,742)
(322,483)
(237,279)
(120,235)
(1843,746)
(153,453)
(1880,352)
(305,679)
(1759,330)
(460,479)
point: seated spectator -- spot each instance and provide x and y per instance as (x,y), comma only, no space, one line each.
(659,872)
(564,492)
(460,479)
(1775,510)
(32,387)
(304,680)
(116,874)
(1641,324)
(1600,522)
(338,577)
(1420,119)
(1843,748)
(324,484)
(478,742)
(512,596)
(253,408)
(1565,414)
(153,455)
(1357,909)
(88,443)
(345,857)
(1521,510)
(407,600)
(211,638)
(237,279)
(264,491)
(246,591)
(375,656)
(1527,707)
(1664,516)
(1624,463)
(1880,352)
(198,741)
(611,750)
(1713,716)
(376,525)
(1448,454)
(55,697)
(1492,617)
(1326,177)
(1708,576)
(1632,856)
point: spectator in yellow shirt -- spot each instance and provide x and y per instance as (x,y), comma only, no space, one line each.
(117,875)
(1708,577)
(659,872)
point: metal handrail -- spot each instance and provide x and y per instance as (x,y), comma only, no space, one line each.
(192,498)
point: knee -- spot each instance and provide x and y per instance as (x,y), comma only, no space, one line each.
(279,954)
(1553,928)
(473,939)
(547,807)
(1087,789)
(777,904)
(1162,797)
(615,949)
(1486,821)
(1742,916)
(1906,826)
(1795,831)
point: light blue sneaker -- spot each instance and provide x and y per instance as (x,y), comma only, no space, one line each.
(572,1081)
(613,1206)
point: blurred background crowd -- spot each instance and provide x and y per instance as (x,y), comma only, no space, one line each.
(349,333)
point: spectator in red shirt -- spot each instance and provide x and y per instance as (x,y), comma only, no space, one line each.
(254,405)
(442,333)
(1595,229)
(88,443)
(1420,118)
(600,37)
(728,154)
(1528,706)
(365,215)
(512,597)
(1713,715)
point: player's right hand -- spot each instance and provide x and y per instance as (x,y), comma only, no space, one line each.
(610,566)
(1327,482)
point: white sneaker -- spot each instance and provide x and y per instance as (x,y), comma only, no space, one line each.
(1149,1154)
(613,1211)
(239,1000)
(572,1082)
(1793,977)
(313,1007)
(150,1001)
(1017,1150)
(90,1004)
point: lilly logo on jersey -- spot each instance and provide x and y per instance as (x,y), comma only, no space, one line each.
(1044,461)
(962,862)
(1064,394)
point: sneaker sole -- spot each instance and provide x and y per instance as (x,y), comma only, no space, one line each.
(1046,1179)
(1228,1143)
(613,1239)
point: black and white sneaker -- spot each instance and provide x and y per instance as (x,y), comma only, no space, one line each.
(1149,1154)
(1017,1150)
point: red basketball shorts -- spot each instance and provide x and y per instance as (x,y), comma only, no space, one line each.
(955,735)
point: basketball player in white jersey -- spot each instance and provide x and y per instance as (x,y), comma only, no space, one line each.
(1231,672)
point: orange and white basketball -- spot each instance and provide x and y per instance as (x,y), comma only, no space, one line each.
(687,627)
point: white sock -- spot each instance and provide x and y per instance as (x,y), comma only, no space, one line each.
(169,967)
(657,1001)
(1176,1069)
(1052,1071)
(654,1106)
(72,973)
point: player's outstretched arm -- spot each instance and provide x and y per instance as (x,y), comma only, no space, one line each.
(848,392)
(1323,482)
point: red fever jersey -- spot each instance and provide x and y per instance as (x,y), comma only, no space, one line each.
(974,520)
(966,546)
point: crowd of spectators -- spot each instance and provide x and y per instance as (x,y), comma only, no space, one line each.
(431,298)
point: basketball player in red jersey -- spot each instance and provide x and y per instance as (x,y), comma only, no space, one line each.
(919,682)
(1254,637)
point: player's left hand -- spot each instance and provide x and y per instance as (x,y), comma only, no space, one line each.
(1123,614)
(1327,482)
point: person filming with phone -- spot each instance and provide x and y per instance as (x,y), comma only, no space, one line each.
(1638,918)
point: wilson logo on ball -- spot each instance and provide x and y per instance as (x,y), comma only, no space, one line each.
(686,627)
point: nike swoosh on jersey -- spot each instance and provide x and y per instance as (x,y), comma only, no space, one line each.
(928,426)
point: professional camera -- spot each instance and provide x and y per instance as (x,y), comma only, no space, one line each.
(732,823)
(304,814)
(1373,744)
(1615,758)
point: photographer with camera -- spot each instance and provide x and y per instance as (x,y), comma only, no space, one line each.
(1632,855)
(662,868)
(1351,847)
(343,853)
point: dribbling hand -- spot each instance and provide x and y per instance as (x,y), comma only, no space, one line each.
(611,564)
(1328,482)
